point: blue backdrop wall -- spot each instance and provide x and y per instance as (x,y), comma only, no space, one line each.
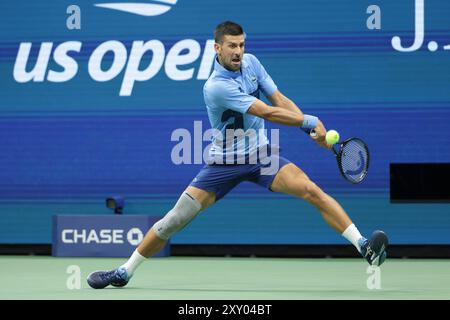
(86,113)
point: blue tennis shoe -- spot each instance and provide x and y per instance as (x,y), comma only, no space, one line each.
(101,279)
(374,249)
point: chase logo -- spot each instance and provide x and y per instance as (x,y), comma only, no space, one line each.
(135,236)
(140,8)
(102,236)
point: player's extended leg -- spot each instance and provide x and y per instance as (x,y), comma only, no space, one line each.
(293,181)
(188,206)
(152,243)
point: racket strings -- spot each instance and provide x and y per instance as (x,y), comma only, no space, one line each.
(354,160)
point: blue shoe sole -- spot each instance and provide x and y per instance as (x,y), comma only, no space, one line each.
(378,243)
(102,279)
(119,285)
(94,281)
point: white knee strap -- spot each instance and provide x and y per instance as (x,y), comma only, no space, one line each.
(184,211)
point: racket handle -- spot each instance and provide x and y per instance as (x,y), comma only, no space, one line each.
(311,132)
(308,131)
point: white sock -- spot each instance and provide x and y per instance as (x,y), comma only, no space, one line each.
(352,234)
(133,262)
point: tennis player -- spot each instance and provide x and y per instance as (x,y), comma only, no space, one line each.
(232,101)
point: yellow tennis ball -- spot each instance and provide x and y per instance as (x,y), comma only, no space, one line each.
(332,137)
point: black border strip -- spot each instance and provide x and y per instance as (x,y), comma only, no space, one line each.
(275,251)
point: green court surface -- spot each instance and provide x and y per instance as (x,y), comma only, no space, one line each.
(189,278)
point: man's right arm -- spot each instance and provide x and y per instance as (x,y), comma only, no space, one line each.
(287,117)
(276,114)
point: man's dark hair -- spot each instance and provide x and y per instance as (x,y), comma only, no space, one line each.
(227,28)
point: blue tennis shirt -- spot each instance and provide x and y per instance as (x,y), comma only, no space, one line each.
(228,95)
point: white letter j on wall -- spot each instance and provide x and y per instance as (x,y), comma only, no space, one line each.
(419,33)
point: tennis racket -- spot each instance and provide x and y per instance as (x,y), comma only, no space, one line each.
(353,158)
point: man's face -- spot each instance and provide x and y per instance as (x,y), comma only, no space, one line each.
(231,51)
